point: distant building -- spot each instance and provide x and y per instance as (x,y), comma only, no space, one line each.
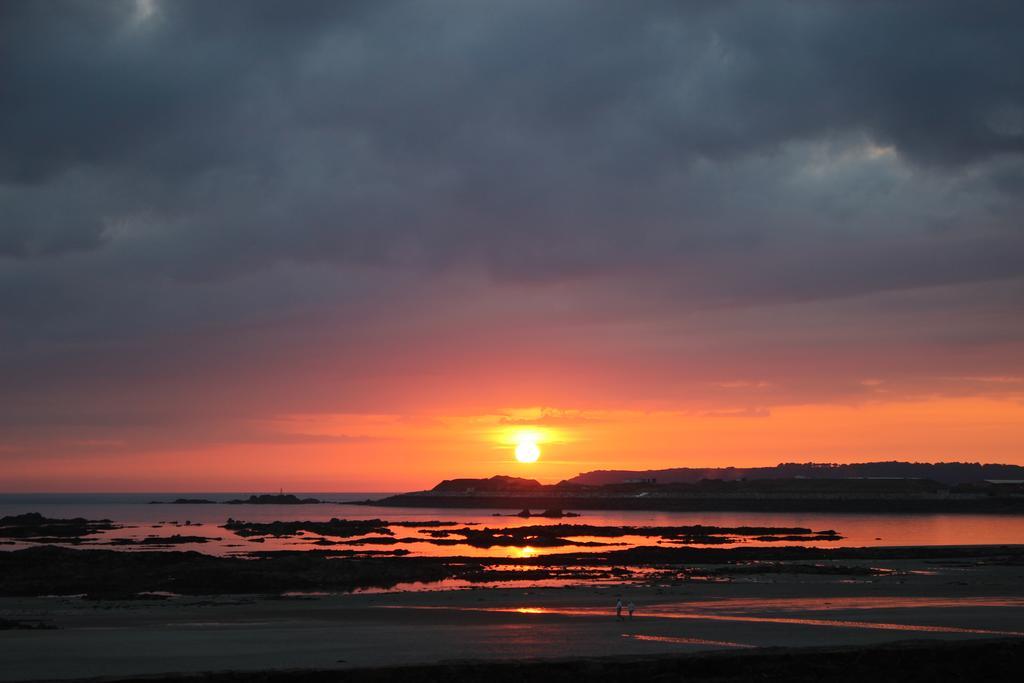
(652,480)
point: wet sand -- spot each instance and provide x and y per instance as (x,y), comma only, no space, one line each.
(957,600)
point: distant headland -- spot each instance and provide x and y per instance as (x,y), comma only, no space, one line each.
(950,473)
(863,487)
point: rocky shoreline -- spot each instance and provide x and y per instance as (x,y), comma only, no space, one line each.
(51,570)
(35,528)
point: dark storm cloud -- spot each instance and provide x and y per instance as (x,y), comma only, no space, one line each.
(172,167)
(397,131)
(108,83)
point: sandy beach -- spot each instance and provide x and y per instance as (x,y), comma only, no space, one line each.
(920,599)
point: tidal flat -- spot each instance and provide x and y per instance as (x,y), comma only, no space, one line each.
(123,614)
(328,598)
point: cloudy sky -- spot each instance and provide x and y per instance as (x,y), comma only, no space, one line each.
(358,245)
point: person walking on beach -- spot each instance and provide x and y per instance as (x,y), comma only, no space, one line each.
(631,607)
(618,609)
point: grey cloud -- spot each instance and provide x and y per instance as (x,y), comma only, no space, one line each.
(228,165)
(397,133)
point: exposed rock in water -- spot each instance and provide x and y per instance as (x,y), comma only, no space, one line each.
(798,538)
(376,532)
(33,526)
(436,533)
(176,539)
(557,514)
(184,501)
(275,499)
(334,527)
(265,499)
(344,528)
(553,513)
(557,535)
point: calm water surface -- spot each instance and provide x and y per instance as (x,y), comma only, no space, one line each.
(205,520)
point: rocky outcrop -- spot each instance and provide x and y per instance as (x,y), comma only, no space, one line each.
(333,527)
(497,483)
(33,526)
(184,501)
(275,499)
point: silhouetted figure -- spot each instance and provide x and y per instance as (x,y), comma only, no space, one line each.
(631,607)
(618,609)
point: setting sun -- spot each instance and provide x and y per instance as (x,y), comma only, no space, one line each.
(527,449)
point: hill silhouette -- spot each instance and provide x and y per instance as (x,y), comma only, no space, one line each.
(951,473)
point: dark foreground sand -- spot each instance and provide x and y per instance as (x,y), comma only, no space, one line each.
(992,661)
(927,600)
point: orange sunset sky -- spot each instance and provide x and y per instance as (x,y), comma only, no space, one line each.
(393,452)
(365,247)
(396,452)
